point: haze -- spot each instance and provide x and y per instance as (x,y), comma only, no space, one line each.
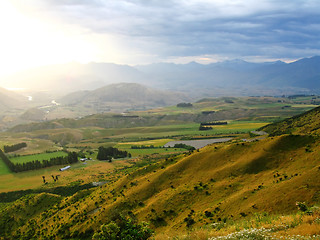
(35,33)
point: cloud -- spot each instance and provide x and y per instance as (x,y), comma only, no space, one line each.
(180,28)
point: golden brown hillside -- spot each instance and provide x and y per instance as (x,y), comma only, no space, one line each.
(219,183)
(305,123)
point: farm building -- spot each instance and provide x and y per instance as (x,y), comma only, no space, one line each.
(65,168)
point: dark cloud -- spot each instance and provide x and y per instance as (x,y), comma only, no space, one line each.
(174,28)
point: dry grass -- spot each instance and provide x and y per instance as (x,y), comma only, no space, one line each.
(236,182)
(277,226)
(89,172)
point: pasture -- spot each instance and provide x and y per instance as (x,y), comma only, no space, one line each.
(139,134)
(3,168)
(40,157)
(149,151)
(92,171)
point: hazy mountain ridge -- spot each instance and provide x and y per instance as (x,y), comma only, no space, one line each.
(236,76)
(299,76)
(65,78)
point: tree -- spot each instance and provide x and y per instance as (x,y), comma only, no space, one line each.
(184,105)
(124,228)
(109,153)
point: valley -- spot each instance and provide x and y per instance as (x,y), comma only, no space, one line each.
(251,181)
(159,120)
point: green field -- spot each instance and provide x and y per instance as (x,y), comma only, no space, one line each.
(176,130)
(40,157)
(3,168)
(149,151)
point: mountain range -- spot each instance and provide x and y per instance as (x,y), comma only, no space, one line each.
(84,89)
(236,77)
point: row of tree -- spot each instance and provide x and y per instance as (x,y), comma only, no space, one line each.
(184,104)
(213,123)
(204,128)
(14,147)
(110,152)
(36,164)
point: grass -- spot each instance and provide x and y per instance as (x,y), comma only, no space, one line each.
(154,142)
(188,129)
(3,168)
(238,178)
(150,151)
(90,172)
(214,177)
(261,226)
(40,157)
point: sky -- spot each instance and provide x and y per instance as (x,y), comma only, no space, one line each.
(42,32)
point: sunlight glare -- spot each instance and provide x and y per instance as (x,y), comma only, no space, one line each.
(29,42)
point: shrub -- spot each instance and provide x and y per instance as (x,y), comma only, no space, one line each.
(190,221)
(302,206)
(123,228)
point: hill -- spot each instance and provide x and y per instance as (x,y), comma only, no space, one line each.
(305,123)
(121,97)
(221,188)
(218,184)
(9,100)
(33,114)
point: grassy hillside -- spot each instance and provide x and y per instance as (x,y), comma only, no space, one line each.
(219,183)
(305,123)
(216,190)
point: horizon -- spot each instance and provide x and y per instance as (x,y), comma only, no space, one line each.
(285,60)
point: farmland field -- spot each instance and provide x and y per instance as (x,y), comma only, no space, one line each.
(169,131)
(89,172)
(149,151)
(40,157)
(177,128)
(3,168)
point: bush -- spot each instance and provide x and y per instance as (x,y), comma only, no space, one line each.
(302,206)
(123,228)
(182,145)
(110,152)
(184,105)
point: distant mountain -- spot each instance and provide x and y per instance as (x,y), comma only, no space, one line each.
(238,77)
(122,97)
(66,78)
(235,77)
(304,73)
